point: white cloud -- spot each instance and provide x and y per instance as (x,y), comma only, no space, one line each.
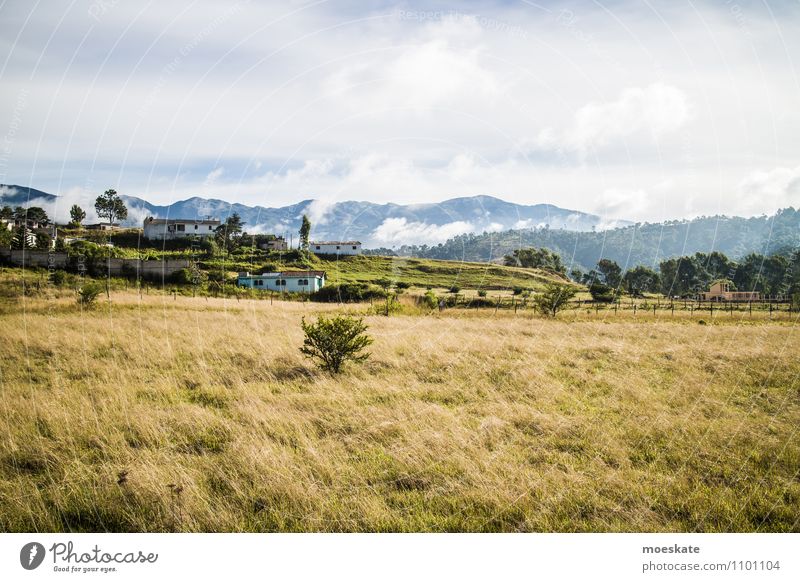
(318,210)
(620,203)
(214,175)
(652,111)
(394,230)
(776,188)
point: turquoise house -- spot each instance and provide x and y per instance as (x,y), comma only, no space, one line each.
(284,281)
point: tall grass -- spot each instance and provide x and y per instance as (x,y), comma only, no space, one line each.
(153,413)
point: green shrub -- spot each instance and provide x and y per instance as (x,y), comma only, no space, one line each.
(58,278)
(517,290)
(482,302)
(88,294)
(454,289)
(481,292)
(553,299)
(402,285)
(430,300)
(602,293)
(348,293)
(332,341)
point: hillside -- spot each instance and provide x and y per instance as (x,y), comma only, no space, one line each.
(640,244)
(420,273)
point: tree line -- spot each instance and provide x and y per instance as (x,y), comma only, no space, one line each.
(771,275)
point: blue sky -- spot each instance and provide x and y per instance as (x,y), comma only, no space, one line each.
(642,111)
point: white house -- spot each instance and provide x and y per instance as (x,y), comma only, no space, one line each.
(336,247)
(171,228)
(289,281)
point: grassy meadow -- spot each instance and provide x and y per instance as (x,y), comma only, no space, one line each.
(155,413)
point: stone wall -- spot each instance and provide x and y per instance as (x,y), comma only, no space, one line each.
(137,267)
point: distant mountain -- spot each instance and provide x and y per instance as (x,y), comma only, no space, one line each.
(388,225)
(638,244)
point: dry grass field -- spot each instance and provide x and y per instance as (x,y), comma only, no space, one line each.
(160,414)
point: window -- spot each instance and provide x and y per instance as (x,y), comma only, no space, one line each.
(354,247)
(259,282)
(337,247)
(181,228)
(209,227)
(302,282)
(317,247)
(280,282)
(195,227)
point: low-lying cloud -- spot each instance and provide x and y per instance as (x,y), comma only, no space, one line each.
(395,231)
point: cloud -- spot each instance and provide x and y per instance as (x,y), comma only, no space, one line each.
(318,210)
(394,230)
(214,175)
(619,203)
(776,188)
(652,111)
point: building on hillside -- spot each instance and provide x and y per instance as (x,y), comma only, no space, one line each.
(277,243)
(102,226)
(336,247)
(721,291)
(173,228)
(31,223)
(288,281)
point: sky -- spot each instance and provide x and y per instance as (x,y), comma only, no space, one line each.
(642,111)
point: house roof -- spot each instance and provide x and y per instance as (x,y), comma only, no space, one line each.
(283,274)
(303,274)
(151,220)
(335,242)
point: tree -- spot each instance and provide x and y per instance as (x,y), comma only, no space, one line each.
(680,276)
(335,340)
(534,258)
(110,206)
(553,299)
(88,293)
(602,293)
(610,272)
(76,215)
(639,280)
(229,234)
(32,214)
(305,232)
(6,213)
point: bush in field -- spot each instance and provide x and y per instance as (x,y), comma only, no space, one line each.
(191,276)
(400,285)
(58,278)
(553,299)
(481,292)
(454,289)
(88,294)
(430,300)
(601,293)
(332,341)
(348,293)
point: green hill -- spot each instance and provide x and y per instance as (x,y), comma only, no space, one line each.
(639,244)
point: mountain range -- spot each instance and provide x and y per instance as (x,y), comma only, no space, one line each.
(388,225)
(478,228)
